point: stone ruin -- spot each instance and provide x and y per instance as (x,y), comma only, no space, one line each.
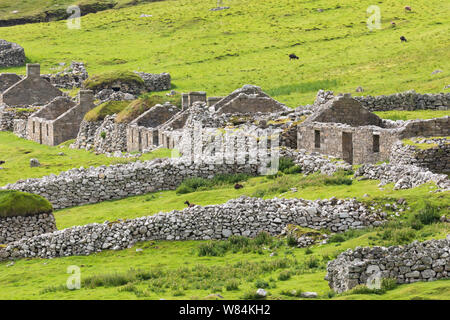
(344,129)
(155,82)
(340,127)
(59,120)
(434,155)
(69,78)
(143,132)
(7,80)
(32,90)
(249,99)
(215,112)
(11,54)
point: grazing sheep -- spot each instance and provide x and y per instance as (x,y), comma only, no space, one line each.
(408,8)
(293,56)
(393,24)
(238,186)
(190,205)
(403,39)
(2,162)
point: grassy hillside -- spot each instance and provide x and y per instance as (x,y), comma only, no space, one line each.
(181,270)
(178,270)
(218,52)
(52,10)
(249,43)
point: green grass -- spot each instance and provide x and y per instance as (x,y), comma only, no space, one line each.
(412,115)
(421,146)
(220,51)
(179,270)
(174,270)
(16,203)
(37,9)
(18,152)
(196,184)
(105,109)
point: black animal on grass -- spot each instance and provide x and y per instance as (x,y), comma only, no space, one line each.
(292,56)
(403,39)
(2,162)
(238,186)
(190,205)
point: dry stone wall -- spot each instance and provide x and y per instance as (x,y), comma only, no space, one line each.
(11,54)
(69,78)
(104,136)
(409,100)
(8,115)
(110,136)
(417,261)
(403,176)
(155,82)
(82,186)
(86,135)
(243,216)
(16,228)
(435,159)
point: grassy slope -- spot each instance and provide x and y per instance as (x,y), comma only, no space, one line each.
(36,8)
(237,47)
(249,43)
(18,152)
(412,115)
(38,278)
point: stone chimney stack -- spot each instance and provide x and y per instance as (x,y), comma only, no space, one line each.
(86,99)
(33,71)
(196,96)
(184,101)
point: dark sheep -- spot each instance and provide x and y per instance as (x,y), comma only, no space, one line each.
(190,205)
(408,8)
(238,186)
(292,56)
(2,162)
(403,39)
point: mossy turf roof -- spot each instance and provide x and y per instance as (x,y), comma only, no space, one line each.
(15,203)
(141,105)
(100,112)
(102,80)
